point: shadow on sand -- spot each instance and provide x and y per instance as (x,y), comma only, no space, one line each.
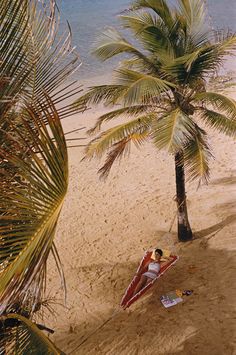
(202,324)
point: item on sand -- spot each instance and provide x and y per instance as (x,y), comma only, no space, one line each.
(129,296)
(187,292)
(171,299)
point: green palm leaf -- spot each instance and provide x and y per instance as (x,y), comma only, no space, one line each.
(217,101)
(111,43)
(141,88)
(197,155)
(32,200)
(51,56)
(160,7)
(34,59)
(139,127)
(219,122)
(109,94)
(138,21)
(173,130)
(122,148)
(20,336)
(199,62)
(124,111)
(194,14)
(150,30)
(15,38)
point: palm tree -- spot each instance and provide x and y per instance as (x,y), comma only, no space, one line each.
(34,64)
(161,86)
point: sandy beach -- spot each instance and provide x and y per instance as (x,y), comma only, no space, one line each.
(104,229)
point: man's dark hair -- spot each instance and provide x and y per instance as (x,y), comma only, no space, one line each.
(159,251)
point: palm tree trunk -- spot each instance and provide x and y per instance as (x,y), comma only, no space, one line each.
(184,229)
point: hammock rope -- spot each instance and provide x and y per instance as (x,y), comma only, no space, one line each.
(175,215)
(113,315)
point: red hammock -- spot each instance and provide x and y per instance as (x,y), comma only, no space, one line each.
(128,299)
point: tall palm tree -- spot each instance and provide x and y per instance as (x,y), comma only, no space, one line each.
(161,85)
(35,63)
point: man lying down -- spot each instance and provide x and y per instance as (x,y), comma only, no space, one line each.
(154,266)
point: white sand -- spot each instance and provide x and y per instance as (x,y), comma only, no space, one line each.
(103,232)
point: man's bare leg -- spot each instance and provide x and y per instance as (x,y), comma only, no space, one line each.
(141,284)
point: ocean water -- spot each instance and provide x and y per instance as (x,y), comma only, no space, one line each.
(88,18)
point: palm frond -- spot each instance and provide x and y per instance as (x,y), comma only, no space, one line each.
(14,68)
(139,126)
(51,54)
(111,43)
(32,199)
(138,21)
(139,64)
(124,111)
(217,101)
(192,66)
(200,62)
(122,148)
(141,88)
(219,122)
(197,155)
(109,94)
(34,58)
(194,14)
(173,130)
(21,336)
(160,7)
(149,30)
(214,54)
(180,69)
(119,150)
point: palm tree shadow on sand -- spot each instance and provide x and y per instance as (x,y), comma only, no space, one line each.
(207,232)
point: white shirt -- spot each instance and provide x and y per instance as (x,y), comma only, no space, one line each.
(154,267)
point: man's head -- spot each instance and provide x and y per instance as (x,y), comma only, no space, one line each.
(158,253)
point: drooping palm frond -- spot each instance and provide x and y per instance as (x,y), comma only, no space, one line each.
(217,101)
(122,148)
(139,127)
(21,336)
(197,154)
(190,66)
(35,60)
(118,150)
(215,53)
(30,201)
(219,122)
(173,130)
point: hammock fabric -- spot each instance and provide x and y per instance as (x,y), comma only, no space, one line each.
(128,297)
